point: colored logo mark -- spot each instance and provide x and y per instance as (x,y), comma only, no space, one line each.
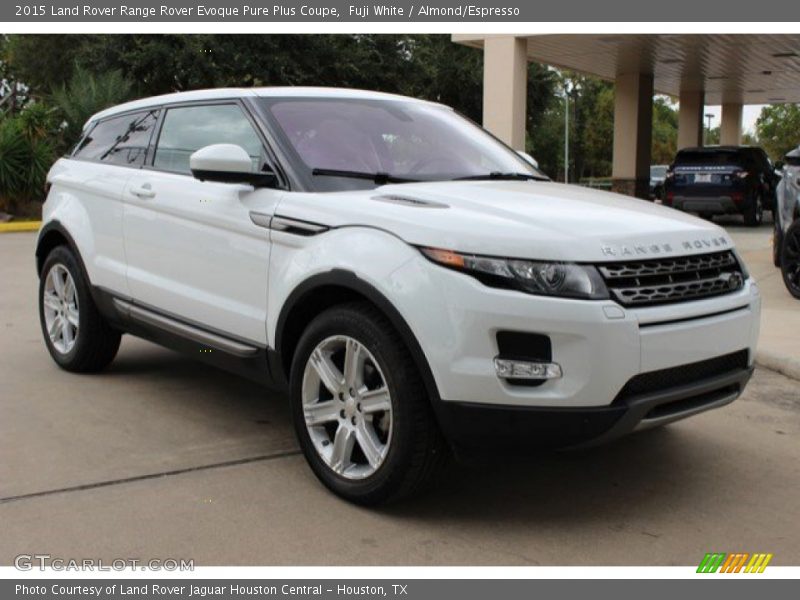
(737,562)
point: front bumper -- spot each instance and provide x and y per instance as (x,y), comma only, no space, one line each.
(470,427)
(599,345)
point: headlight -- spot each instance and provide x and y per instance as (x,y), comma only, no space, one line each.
(534,277)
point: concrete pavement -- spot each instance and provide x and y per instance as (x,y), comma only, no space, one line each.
(162,457)
(779,344)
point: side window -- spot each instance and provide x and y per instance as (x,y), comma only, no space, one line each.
(119,141)
(187,129)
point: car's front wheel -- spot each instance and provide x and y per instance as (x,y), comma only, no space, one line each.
(77,336)
(790,259)
(360,409)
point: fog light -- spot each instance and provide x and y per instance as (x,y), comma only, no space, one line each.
(522,369)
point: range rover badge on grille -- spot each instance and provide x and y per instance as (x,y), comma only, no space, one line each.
(735,280)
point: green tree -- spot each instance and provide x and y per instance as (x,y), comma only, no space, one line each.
(26,153)
(665,131)
(86,94)
(594,129)
(711,136)
(778,129)
(42,61)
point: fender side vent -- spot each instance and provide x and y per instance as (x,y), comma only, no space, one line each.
(408,201)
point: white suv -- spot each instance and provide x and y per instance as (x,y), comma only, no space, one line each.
(416,285)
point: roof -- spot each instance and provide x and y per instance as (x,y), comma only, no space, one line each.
(227,93)
(716,148)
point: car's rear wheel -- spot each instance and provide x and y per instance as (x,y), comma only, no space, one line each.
(708,216)
(76,335)
(360,409)
(790,259)
(754,212)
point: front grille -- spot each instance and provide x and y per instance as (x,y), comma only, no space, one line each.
(667,280)
(659,381)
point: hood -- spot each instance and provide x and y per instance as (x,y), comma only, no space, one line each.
(520,219)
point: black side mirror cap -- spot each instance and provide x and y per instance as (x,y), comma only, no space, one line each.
(264,179)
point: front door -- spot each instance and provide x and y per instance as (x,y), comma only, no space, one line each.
(192,250)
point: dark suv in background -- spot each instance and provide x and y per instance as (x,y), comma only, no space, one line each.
(717,180)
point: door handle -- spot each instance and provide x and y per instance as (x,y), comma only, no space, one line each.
(143,191)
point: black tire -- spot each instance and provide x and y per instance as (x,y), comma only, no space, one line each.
(416,450)
(96,342)
(777,243)
(754,211)
(706,215)
(790,259)
(658,193)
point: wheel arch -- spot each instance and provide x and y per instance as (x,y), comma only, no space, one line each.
(324,290)
(52,235)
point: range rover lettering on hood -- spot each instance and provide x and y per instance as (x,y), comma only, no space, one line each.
(656,249)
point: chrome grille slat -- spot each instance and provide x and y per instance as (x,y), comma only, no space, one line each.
(667,280)
(667,266)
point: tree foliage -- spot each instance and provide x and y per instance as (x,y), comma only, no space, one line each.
(78,75)
(665,131)
(778,129)
(85,94)
(26,153)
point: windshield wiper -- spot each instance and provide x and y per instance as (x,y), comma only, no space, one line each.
(502,176)
(379,178)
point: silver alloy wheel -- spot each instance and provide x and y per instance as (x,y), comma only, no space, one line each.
(347,407)
(60,304)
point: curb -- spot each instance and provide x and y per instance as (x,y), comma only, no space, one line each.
(785,365)
(14,226)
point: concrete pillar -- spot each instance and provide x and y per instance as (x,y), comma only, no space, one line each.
(633,134)
(730,129)
(505,82)
(690,118)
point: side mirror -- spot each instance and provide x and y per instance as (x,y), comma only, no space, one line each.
(227,163)
(528,158)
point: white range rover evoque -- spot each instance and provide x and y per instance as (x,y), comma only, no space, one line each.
(415,285)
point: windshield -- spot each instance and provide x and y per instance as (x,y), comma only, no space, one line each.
(400,140)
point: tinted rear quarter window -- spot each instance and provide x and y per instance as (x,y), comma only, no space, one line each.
(120,140)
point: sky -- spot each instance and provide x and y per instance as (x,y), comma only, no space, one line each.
(750,113)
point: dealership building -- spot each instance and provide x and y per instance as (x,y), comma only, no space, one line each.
(710,69)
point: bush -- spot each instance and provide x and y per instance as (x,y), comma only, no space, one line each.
(27,150)
(86,94)
(32,139)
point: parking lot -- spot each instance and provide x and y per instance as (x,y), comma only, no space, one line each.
(162,457)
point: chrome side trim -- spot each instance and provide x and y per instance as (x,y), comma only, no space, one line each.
(277,223)
(409,201)
(260,219)
(148,317)
(297,227)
